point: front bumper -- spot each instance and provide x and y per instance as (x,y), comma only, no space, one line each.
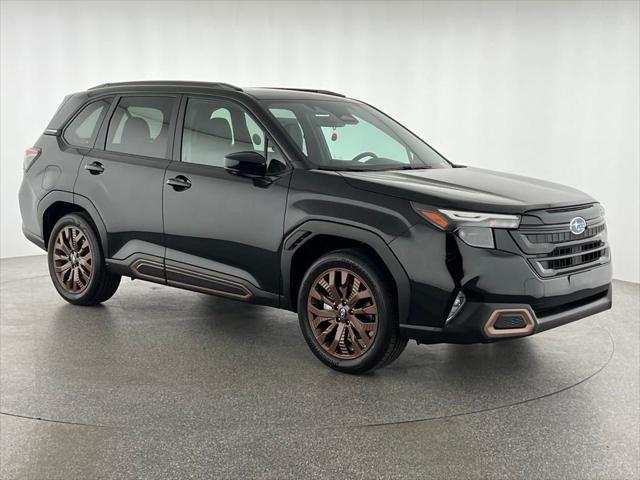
(475,322)
(439,265)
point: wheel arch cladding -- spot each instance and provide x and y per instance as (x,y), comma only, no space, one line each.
(56,204)
(311,240)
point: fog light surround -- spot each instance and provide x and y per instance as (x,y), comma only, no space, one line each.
(458,303)
(491,331)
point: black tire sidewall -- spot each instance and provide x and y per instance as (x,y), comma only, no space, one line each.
(80,221)
(386,312)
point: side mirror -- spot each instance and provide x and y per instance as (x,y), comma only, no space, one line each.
(247,164)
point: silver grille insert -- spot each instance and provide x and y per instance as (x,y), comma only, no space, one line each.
(553,250)
(564,236)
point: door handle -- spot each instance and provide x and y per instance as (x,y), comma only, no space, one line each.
(179,183)
(94,168)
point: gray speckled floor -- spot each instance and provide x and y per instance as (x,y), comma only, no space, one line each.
(162,383)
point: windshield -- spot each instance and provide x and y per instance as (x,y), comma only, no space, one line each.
(340,135)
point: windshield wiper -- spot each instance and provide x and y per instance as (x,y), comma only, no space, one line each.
(377,168)
(404,167)
(343,169)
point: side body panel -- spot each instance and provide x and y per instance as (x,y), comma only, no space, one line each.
(223,232)
(128,198)
(226,223)
(321,203)
(54,171)
(127,192)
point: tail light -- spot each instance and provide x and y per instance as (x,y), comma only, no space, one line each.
(30,156)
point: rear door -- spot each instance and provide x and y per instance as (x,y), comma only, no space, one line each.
(223,231)
(123,177)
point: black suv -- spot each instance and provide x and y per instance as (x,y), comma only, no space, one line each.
(307,201)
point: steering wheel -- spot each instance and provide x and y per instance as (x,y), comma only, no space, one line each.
(362,155)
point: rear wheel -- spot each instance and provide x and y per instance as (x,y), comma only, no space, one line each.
(347,313)
(76,263)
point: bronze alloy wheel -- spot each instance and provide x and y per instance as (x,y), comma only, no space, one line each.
(342,313)
(72,259)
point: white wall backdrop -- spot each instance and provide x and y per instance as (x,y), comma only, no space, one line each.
(546,89)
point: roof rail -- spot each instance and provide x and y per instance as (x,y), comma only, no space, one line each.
(310,90)
(153,83)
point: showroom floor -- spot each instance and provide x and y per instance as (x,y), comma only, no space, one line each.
(162,383)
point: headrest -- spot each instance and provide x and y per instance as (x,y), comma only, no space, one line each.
(201,118)
(218,127)
(136,130)
(294,130)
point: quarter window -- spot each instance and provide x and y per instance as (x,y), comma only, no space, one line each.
(83,129)
(140,126)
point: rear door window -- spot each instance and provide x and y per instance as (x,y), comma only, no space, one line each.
(140,126)
(84,127)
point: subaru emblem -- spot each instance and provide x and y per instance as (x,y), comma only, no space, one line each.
(577,225)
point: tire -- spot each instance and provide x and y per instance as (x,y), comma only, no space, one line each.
(74,247)
(370,336)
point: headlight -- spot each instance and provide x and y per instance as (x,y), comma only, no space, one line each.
(492,220)
(473,228)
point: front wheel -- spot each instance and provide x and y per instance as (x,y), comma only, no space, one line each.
(347,312)
(76,263)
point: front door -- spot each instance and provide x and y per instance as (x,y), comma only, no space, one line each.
(223,231)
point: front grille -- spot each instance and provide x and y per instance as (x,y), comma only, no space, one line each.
(560,237)
(573,256)
(553,250)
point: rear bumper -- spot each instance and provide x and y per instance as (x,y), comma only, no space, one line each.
(476,321)
(33,238)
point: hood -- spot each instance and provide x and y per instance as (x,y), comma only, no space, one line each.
(469,189)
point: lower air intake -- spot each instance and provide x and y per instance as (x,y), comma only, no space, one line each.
(506,322)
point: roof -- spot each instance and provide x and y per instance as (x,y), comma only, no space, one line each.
(168,83)
(260,93)
(265,93)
